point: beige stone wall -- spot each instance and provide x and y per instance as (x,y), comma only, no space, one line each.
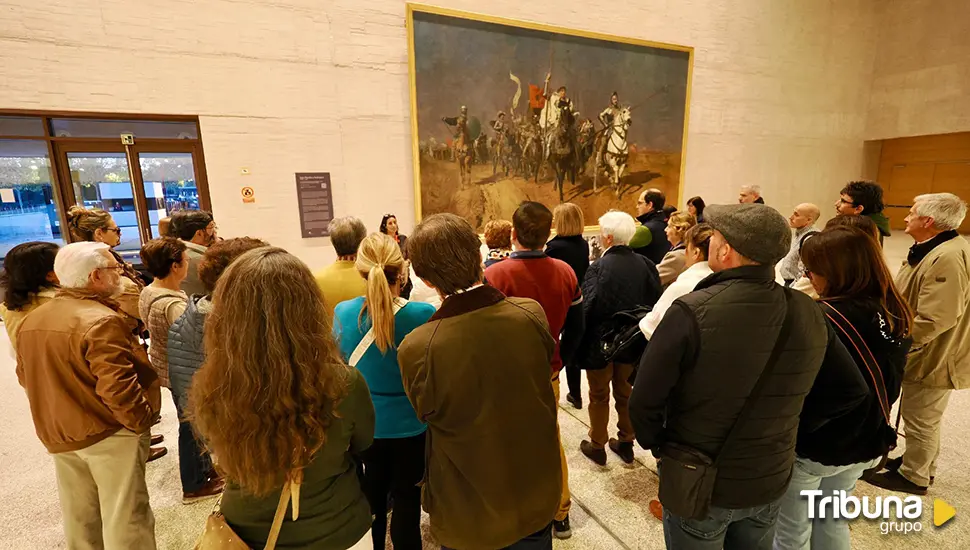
(780,90)
(921,81)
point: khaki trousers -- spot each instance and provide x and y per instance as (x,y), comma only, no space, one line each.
(618,375)
(565,502)
(922,410)
(104,498)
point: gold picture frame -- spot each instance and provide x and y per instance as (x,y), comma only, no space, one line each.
(555,36)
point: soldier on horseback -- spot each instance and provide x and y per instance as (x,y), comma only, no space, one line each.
(462,138)
(463,142)
(607,117)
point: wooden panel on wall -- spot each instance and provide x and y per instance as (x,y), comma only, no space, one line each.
(923,164)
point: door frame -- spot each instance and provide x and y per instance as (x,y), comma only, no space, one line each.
(61,148)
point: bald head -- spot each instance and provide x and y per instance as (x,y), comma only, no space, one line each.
(805,215)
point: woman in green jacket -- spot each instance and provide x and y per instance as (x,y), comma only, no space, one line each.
(277,406)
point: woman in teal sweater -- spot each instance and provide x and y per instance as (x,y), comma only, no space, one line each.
(369,330)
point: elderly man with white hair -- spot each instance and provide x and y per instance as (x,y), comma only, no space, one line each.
(750,194)
(935,280)
(619,281)
(88,390)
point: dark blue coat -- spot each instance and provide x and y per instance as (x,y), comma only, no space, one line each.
(619,281)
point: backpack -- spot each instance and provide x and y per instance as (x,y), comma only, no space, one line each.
(623,341)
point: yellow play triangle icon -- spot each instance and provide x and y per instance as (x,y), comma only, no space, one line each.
(942,512)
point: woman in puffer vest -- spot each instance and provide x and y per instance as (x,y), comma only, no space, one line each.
(186,355)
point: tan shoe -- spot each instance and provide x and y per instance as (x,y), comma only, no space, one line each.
(212,488)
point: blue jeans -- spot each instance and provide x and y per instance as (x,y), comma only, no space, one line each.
(797,532)
(742,529)
(194,463)
(541,540)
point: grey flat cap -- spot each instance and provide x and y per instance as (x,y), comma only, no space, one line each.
(756,231)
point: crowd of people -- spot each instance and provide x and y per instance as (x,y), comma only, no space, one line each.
(755,357)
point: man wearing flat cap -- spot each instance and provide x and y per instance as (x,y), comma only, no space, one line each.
(739,355)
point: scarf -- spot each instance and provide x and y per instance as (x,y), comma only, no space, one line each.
(919,251)
(498,254)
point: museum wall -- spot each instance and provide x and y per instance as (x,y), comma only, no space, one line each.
(780,90)
(921,80)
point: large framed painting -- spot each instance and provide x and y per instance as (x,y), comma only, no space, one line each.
(505,111)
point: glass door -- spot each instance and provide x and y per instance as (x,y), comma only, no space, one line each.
(138,184)
(102,179)
(171,180)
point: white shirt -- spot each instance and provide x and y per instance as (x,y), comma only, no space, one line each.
(421,292)
(683,284)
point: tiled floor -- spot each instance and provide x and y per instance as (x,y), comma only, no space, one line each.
(609,503)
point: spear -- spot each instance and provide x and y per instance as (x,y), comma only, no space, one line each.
(651,96)
(542,131)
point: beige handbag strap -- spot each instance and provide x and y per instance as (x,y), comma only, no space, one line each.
(368,338)
(291,491)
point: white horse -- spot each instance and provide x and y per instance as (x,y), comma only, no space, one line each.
(617,148)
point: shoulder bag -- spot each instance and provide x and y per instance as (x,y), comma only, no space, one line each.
(218,535)
(368,338)
(872,367)
(687,475)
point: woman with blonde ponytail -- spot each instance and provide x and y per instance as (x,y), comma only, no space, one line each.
(369,330)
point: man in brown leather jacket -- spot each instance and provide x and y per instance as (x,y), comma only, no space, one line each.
(88,383)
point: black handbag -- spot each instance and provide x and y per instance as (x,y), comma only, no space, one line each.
(687,475)
(623,341)
(889,433)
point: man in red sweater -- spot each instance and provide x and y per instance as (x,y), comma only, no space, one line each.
(529,273)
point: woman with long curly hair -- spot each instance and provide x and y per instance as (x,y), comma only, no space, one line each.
(276,405)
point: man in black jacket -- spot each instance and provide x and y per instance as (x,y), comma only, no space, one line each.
(650,239)
(619,281)
(702,364)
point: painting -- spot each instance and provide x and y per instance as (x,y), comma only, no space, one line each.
(506,111)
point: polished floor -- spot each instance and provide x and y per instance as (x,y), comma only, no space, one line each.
(609,503)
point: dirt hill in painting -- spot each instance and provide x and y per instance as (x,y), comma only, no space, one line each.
(490,197)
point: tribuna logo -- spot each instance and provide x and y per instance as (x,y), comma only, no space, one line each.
(898,515)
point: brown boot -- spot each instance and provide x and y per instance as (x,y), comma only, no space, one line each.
(894,481)
(623,449)
(596,455)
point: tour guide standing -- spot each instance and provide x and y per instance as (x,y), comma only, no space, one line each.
(738,351)
(935,280)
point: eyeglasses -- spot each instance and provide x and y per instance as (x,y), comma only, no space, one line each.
(119,268)
(114,229)
(843,201)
